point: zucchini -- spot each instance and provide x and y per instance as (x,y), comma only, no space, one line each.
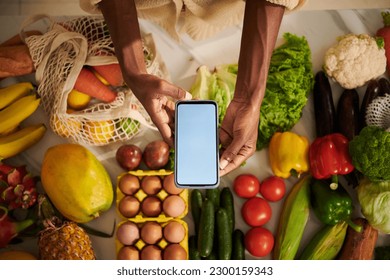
(224,235)
(238,250)
(227,202)
(196,201)
(293,219)
(348,114)
(206,228)
(214,196)
(193,251)
(326,243)
(324,109)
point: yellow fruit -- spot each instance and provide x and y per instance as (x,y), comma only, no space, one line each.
(100,132)
(16,255)
(76,182)
(65,128)
(78,100)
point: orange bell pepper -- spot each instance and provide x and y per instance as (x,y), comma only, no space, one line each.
(288,154)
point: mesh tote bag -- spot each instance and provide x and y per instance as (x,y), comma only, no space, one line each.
(59,56)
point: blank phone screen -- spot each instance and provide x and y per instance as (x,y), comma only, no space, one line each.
(196,144)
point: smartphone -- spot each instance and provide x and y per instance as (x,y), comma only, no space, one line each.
(196,144)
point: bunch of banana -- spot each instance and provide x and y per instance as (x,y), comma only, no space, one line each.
(18,102)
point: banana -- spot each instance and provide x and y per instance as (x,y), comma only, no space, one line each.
(17,142)
(10,94)
(18,111)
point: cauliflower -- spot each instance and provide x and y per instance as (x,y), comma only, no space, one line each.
(355,60)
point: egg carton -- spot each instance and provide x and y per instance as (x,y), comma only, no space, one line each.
(141,196)
(161,243)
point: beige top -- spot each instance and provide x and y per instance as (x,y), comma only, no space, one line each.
(199,19)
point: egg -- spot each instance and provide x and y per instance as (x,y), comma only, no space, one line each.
(174,252)
(174,232)
(151,206)
(151,252)
(169,185)
(173,206)
(151,185)
(128,233)
(128,253)
(129,206)
(151,232)
(129,184)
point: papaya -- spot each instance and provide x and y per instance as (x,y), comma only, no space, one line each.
(76,182)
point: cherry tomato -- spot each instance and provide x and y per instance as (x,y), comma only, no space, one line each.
(256,211)
(273,188)
(246,185)
(259,241)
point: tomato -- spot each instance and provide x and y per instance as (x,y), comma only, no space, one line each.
(246,185)
(259,241)
(256,211)
(273,188)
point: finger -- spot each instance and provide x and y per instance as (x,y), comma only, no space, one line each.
(176,92)
(166,133)
(224,138)
(231,165)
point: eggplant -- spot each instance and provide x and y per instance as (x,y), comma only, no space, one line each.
(384,86)
(324,109)
(372,91)
(348,114)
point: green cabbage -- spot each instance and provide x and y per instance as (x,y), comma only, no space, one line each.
(374,199)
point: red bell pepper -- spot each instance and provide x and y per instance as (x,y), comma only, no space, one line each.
(329,157)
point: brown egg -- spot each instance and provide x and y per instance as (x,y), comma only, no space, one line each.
(129,184)
(151,185)
(169,185)
(151,206)
(129,206)
(151,252)
(151,232)
(174,252)
(128,253)
(174,232)
(173,206)
(128,233)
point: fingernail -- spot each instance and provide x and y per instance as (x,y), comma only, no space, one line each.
(188,96)
(223,164)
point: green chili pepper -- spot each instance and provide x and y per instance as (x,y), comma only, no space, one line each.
(331,206)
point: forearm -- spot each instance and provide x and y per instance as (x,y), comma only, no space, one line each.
(260,31)
(122,22)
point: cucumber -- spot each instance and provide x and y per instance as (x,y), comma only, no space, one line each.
(193,248)
(224,235)
(196,201)
(227,202)
(238,250)
(214,196)
(206,228)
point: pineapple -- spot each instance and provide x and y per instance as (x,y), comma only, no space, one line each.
(61,240)
(66,242)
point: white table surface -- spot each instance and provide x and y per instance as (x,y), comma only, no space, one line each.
(319,27)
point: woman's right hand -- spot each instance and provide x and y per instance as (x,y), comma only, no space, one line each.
(158,97)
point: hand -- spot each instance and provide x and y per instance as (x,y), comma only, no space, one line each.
(153,93)
(238,135)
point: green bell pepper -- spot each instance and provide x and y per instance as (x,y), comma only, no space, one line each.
(331,206)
